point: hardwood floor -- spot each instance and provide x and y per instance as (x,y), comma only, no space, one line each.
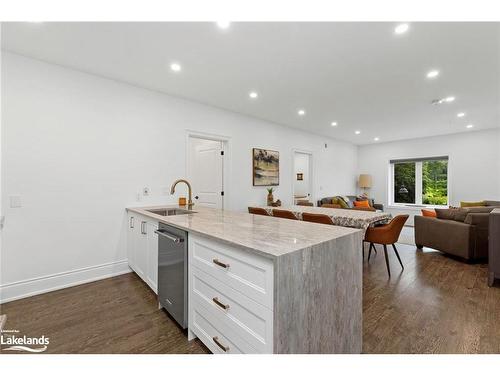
(437,305)
(116,315)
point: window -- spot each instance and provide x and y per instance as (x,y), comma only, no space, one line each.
(404,182)
(419,181)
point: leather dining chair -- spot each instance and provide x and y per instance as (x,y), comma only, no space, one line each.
(305,203)
(317,218)
(284,214)
(258,211)
(387,234)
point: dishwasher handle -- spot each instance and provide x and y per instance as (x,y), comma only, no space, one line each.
(169,236)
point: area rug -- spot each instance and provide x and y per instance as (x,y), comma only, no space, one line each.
(407,236)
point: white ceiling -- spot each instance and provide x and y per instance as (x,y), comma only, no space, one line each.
(361,75)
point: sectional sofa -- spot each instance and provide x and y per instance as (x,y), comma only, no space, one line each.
(462,232)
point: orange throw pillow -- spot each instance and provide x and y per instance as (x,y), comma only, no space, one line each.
(361,204)
(429,213)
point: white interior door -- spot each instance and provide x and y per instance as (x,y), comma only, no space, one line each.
(205,170)
(302,177)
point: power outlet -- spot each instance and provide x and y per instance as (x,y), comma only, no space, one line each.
(146,191)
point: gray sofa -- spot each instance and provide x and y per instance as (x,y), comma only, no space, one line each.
(328,200)
(461,232)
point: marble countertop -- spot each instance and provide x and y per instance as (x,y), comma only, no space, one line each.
(268,236)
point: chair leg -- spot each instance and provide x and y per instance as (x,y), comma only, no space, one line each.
(387,260)
(370,251)
(397,254)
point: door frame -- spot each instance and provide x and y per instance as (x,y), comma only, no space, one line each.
(226,164)
(311,171)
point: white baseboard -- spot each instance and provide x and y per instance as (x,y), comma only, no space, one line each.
(39,285)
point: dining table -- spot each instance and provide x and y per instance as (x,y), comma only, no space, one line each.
(352,218)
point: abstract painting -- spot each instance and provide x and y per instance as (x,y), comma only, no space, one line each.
(266,167)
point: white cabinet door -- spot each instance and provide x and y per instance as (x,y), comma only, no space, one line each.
(141,248)
(152,250)
(131,235)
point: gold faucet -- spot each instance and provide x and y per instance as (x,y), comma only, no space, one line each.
(190,200)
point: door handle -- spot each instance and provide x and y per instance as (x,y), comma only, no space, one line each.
(131,222)
(168,236)
(143,227)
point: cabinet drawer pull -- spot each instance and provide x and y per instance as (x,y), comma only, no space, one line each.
(131,222)
(218,343)
(220,304)
(219,263)
(143,227)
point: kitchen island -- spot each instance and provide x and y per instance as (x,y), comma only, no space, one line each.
(260,284)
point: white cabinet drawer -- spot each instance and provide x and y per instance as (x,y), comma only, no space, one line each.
(209,331)
(250,274)
(243,316)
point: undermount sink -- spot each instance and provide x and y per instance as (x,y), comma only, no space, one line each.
(171,211)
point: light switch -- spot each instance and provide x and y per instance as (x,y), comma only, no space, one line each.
(15,201)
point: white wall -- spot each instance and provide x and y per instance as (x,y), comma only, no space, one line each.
(77,148)
(473,167)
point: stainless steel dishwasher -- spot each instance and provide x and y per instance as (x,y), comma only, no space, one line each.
(172,272)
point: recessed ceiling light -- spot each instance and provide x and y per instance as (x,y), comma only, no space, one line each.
(357,132)
(433,74)
(175,67)
(470,126)
(376,139)
(334,123)
(402,28)
(253,95)
(461,114)
(449,99)
(223,24)
(301,112)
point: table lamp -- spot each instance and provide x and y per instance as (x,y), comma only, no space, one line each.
(365,182)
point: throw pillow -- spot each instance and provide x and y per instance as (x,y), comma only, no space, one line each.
(346,200)
(460,214)
(473,204)
(429,213)
(365,198)
(362,204)
(445,214)
(340,201)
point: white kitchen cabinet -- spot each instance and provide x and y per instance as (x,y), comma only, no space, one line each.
(131,228)
(142,248)
(152,248)
(230,297)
